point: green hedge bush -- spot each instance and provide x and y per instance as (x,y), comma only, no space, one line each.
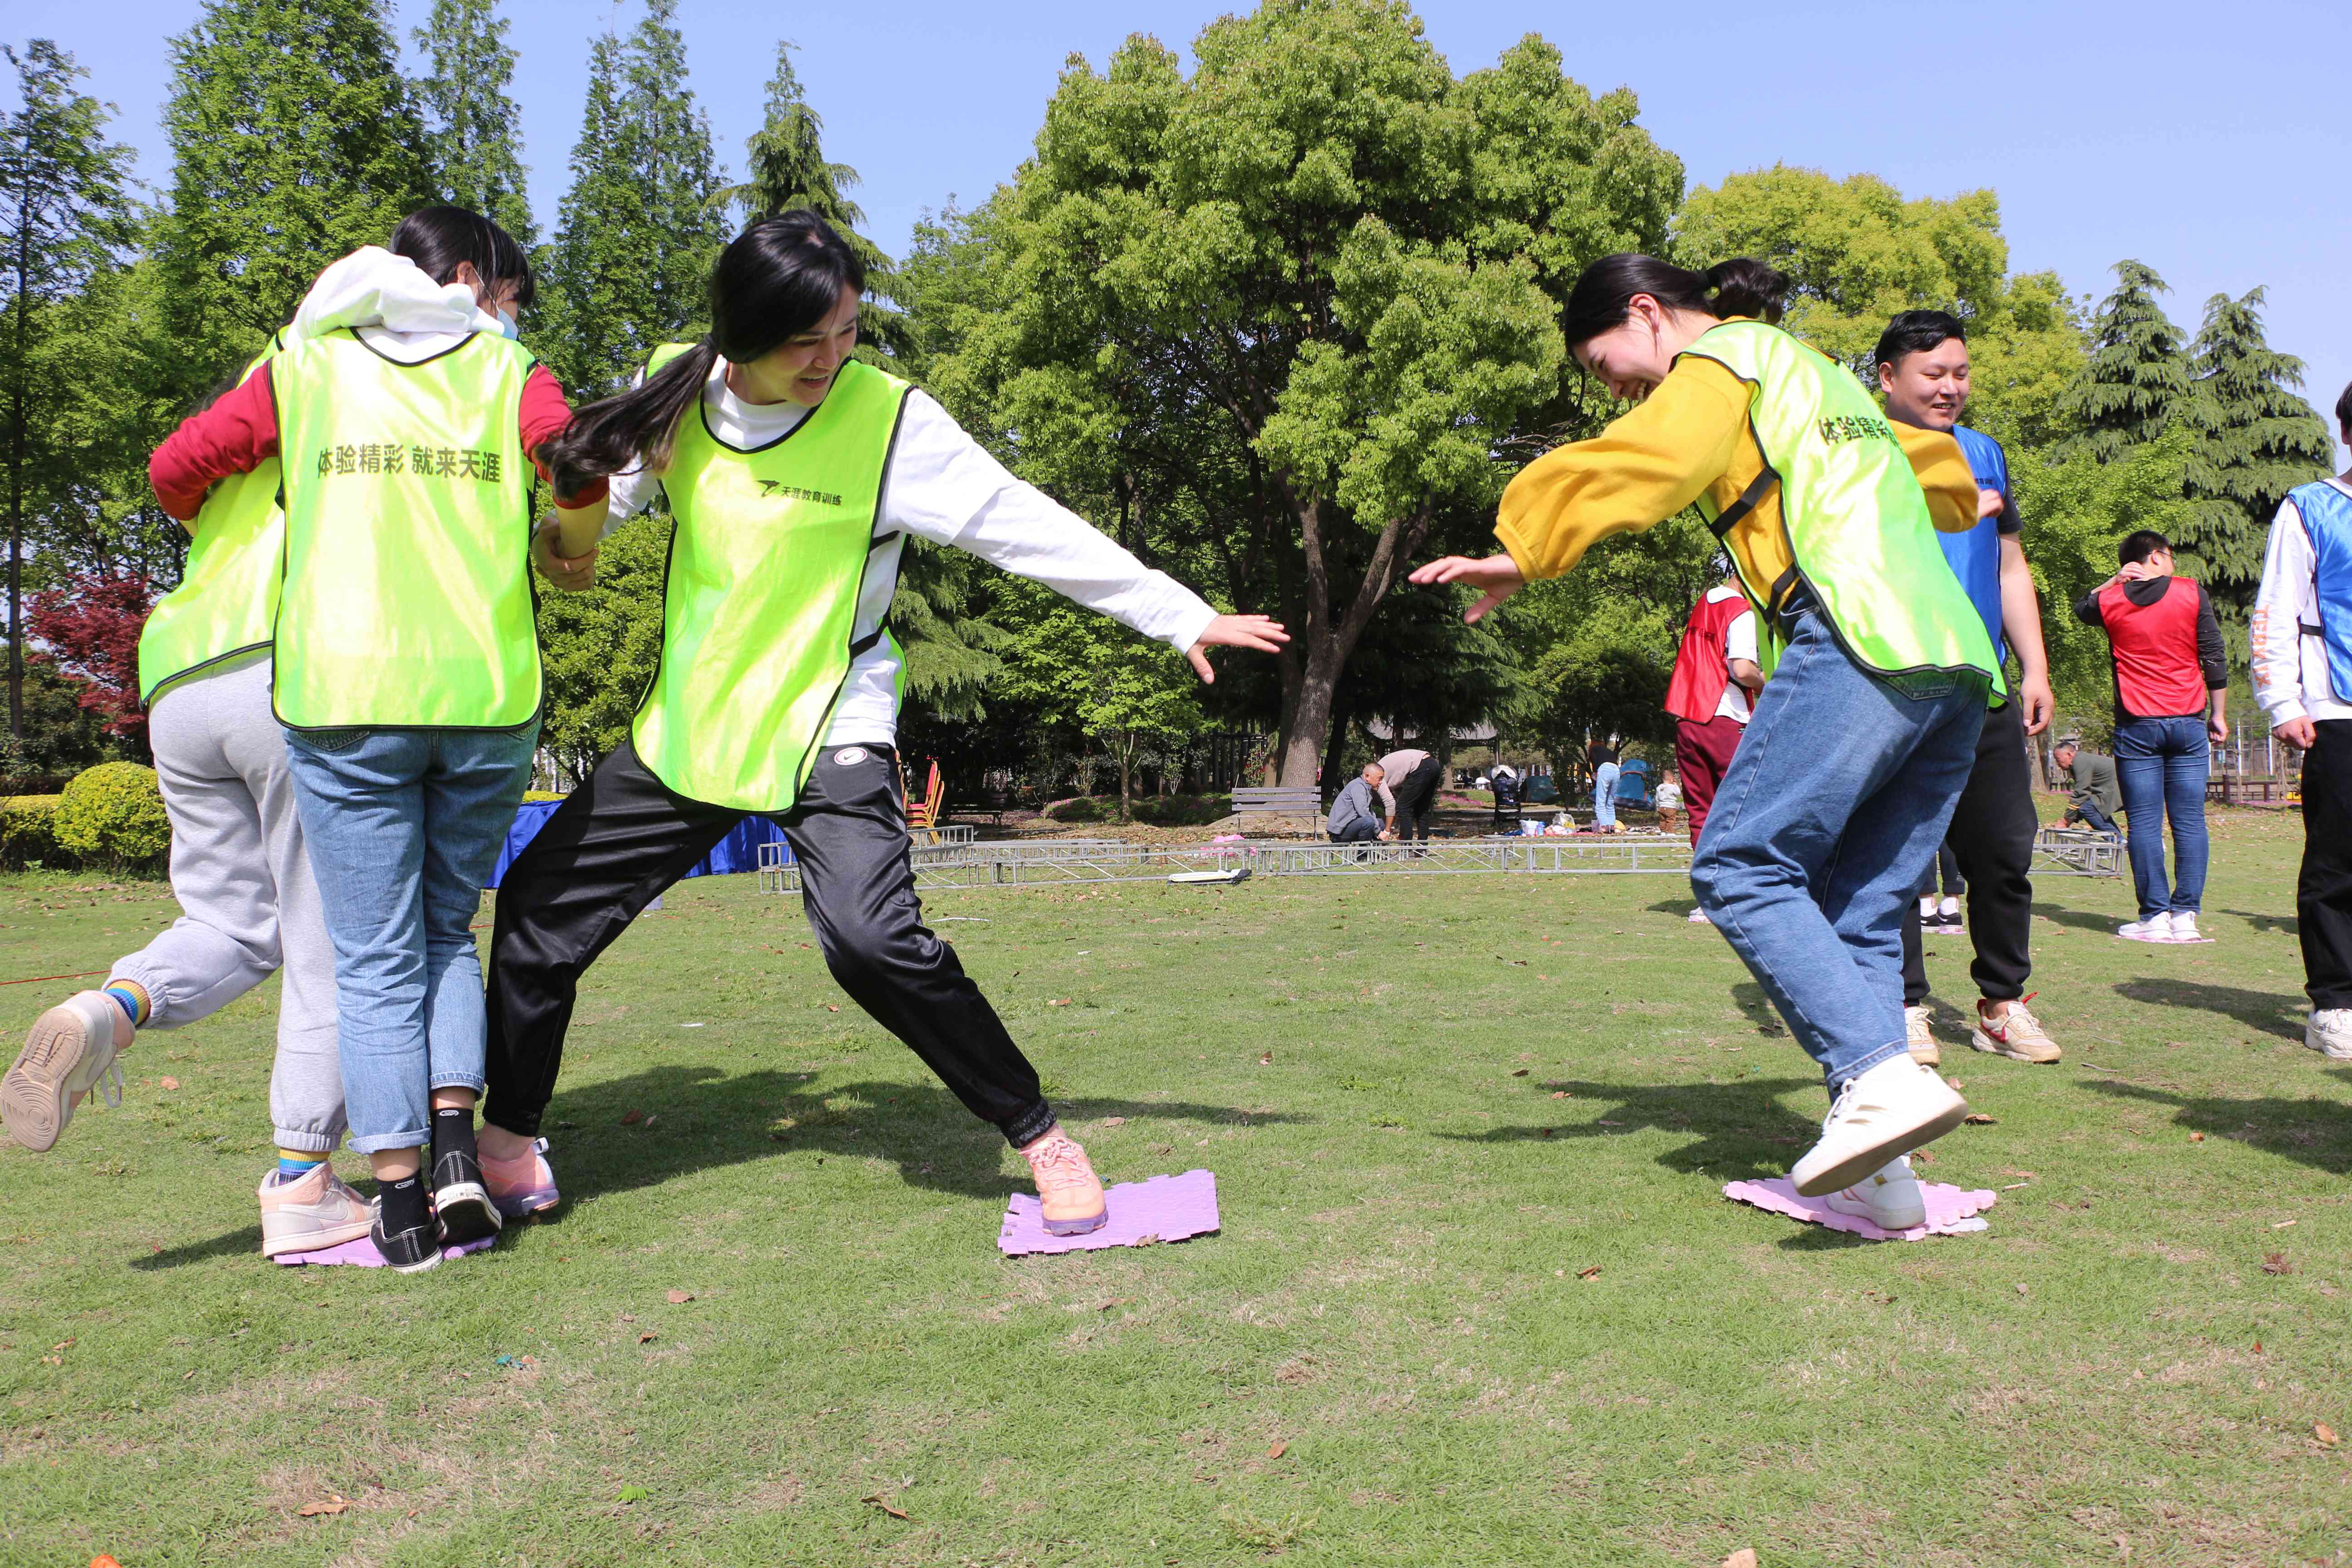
(113,815)
(27,830)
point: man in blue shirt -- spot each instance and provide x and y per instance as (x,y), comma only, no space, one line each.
(1923,368)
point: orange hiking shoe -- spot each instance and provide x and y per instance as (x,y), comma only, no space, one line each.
(1068,1192)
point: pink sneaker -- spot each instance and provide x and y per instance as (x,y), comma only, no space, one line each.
(70,1052)
(525,1185)
(1069,1195)
(314,1211)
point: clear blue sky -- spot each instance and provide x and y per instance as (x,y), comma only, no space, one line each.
(2210,142)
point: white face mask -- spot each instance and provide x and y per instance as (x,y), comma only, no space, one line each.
(507,325)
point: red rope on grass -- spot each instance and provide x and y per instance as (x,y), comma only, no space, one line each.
(35,980)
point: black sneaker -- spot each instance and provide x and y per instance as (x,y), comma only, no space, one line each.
(410,1251)
(461,1200)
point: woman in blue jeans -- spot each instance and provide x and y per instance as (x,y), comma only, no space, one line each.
(1605,773)
(407,673)
(2171,708)
(1846,778)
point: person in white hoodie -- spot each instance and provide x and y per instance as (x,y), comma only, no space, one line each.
(406,676)
(2302,644)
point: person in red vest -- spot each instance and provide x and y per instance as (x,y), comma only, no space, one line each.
(1710,696)
(2171,701)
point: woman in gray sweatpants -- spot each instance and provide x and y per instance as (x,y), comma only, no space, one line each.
(250,909)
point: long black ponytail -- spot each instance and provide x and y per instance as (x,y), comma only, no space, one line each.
(1604,294)
(439,239)
(779,277)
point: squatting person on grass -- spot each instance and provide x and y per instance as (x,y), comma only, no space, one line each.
(1845,782)
(794,473)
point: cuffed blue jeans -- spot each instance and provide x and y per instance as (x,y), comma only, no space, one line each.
(2162,766)
(1604,794)
(1822,831)
(404,827)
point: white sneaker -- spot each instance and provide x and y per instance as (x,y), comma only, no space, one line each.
(1698,918)
(1915,1034)
(1888,1198)
(1948,912)
(1891,1110)
(2156,928)
(2184,926)
(2329,1032)
(70,1052)
(1927,910)
(315,1211)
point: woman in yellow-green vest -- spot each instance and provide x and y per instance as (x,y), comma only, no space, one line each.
(1880,669)
(794,473)
(403,418)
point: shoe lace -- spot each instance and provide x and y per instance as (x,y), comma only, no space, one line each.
(109,1085)
(1057,1159)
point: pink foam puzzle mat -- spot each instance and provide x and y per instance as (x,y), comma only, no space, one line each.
(361,1251)
(1951,1211)
(1165,1208)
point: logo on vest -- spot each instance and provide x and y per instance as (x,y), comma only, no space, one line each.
(848,756)
(777,488)
(424,462)
(1837,427)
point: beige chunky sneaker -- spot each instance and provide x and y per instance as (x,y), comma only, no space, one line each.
(314,1211)
(1067,1190)
(1924,1049)
(2018,1033)
(70,1051)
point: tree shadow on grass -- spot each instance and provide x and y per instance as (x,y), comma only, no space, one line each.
(2284,925)
(2270,1013)
(1739,1130)
(2310,1131)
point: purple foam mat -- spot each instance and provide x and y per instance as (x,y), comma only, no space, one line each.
(361,1251)
(1951,1211)
(1165,1208)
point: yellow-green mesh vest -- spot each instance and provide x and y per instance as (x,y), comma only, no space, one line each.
(227,597)
(408,598)
(766,561)
(1855,517)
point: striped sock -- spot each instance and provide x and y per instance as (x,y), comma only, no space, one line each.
(132,998)
(293,1165)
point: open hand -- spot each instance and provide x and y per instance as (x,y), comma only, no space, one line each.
(566,574)
(1261,632)
(1497,578)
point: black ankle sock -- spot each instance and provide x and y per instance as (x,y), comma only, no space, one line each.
(403,1204)
(453,1133)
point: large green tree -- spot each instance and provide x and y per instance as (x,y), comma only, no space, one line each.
(2137,376)
(1277,322)
(66,220)
(294,141)
(473,130)
(630,268)
(2251,439)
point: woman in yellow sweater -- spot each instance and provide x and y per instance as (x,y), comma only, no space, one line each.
(1862,740)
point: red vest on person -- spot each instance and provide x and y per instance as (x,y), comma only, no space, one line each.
(2156,672)
(1700,675)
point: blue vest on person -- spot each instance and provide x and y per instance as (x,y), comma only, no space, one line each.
(2328,518)
(1976,554)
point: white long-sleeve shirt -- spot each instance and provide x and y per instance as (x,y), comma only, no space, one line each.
(943,486)
(2290,678)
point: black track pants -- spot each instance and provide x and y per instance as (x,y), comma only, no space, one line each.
(1991,837)
(2322,892)
(623,837)
(1414,793)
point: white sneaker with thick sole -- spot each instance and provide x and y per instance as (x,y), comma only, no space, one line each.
(1891,1110)
(70,1052)
(1889,1198)
(2184,927)
(315,1211)
(2156,928)
(1917,1034)
(2329,1032)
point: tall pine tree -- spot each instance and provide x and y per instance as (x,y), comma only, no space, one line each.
(2136,377)
(66,221)
(630,268)
(2253,440)
(295,140)
(472,128)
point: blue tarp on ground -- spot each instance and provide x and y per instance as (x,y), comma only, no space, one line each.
(739,851)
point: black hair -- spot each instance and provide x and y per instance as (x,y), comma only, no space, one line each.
(1604,291)
(1914,333)
(2344,408)
(438,239)
(2139,544)
(778,279)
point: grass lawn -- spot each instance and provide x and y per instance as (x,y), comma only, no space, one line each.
(771,1319)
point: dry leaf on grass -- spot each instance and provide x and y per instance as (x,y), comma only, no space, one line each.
(168,1082)
(1114,1122)
(1979,1119)
(647,1338)
(1743,1558)
(311,1509)
(680,1298)
(2276,1263)
(2197,1137)
(1277,1450)
(2325,1433)
(877,1500)
(631,1118)
(1522,1072)
(1592,1273)
(1560,1094)
(1267,1061)
(832,1007)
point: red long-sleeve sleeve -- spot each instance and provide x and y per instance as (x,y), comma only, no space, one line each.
(239,432)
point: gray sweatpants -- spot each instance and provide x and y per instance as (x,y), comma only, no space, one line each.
(243,885)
